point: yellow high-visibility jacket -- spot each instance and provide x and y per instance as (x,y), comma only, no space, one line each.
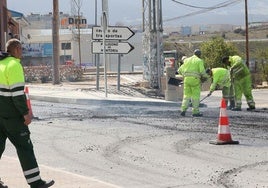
(13,102)
(220,77)
(193,67)
(238,69)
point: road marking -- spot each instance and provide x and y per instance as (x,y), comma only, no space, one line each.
(99,183)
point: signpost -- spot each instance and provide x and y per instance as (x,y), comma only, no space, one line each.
(112,47)
(111,40)
(115,40)
(112,33)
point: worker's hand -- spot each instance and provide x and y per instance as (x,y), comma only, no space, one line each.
(27,119)
(209,94)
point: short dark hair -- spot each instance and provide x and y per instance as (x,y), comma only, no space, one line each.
(225,59)
(11,44)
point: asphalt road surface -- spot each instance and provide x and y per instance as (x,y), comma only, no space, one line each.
(151,146)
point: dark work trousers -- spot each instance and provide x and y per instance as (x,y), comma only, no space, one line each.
(19,135)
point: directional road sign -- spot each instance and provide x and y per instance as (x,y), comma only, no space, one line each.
(112,33)
(112,47)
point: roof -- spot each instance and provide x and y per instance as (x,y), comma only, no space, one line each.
(18,16)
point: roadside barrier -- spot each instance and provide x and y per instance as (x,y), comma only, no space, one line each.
(224,133)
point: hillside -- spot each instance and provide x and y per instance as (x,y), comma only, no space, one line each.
(186,44)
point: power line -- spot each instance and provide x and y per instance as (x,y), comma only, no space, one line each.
(220,5)
(205,9)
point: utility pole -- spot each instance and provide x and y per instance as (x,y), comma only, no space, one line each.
(152,42)
(55,33)
(246,23)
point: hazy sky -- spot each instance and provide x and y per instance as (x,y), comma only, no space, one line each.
(129,12)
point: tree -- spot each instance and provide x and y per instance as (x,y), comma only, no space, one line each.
(76,6)
(215,49)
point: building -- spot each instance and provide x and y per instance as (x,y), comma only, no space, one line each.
(3,24)
(37,39)
(9,26)
(199,29)
(186,31)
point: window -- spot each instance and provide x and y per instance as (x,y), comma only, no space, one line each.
(66,46)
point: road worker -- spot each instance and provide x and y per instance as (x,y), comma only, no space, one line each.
(192,71)
(240,76)
(15,116)
(221,80)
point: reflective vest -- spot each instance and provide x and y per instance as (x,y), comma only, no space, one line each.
(220,77)
(13,101)
(193,67)
(238,69)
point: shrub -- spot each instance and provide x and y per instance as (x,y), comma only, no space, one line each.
(44,74)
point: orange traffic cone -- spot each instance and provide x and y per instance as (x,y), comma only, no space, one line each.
(26,90)
(224,134)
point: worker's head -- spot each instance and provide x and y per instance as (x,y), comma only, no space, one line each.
(197,52)
(209,72)
(14,48)
(225,60)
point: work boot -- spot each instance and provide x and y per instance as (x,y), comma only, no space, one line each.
(183,113)
(197,115)
(230,107)
(2,185)
(46,184)
(237,109)
(251,108)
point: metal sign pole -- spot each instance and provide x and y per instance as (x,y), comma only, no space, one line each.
(104,28)
(118,72)
(96,56)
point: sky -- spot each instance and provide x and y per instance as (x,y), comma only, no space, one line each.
(129,12)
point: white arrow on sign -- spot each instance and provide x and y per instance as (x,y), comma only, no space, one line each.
(112,47)
(112,33)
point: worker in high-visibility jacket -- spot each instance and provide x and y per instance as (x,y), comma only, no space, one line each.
(220,79)
(193,72)
(15,116)
(240,76)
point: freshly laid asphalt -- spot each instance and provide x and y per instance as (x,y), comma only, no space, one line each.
(10,170)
